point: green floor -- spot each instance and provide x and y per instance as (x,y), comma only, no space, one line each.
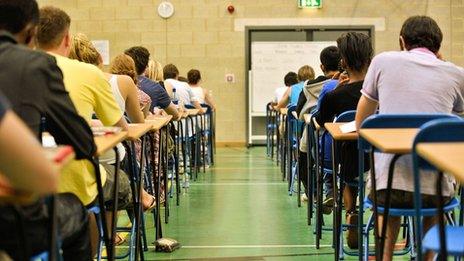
(240,210)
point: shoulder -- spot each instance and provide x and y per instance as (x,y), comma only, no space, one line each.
(124,79)
(386,58)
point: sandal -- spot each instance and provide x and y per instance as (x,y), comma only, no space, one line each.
(152,205)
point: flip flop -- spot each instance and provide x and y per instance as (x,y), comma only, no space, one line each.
(152,205)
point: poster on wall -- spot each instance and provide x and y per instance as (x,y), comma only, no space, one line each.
(103,47)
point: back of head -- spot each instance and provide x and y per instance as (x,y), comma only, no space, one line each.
(193,76)
(53,26)
(123,64)
(170,71)
(421,31)
(154,71)
(15,15)
(330,58)
(83,50)
(290,79)
(305,73)
(355,50)
(141,56)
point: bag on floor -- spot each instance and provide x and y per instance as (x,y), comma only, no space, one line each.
(167,245)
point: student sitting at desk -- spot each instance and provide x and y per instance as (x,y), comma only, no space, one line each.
(330,59)
(356,54)
(203,95)
(154,71)
(414,80)
(291,78)
(33,84)
(159,96)
(292,94)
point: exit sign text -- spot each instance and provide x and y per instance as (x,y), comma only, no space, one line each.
(309,3)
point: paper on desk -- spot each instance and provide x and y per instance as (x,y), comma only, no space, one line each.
(348,127)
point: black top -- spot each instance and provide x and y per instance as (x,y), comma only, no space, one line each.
(159,96)
(33,84)
(3,106)
(343,98)
(302,98)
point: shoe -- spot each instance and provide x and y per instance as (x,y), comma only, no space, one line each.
(352,234)
(327,205)
(304,198)
(152,205)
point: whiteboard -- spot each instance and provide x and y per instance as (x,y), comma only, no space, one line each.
(271,61)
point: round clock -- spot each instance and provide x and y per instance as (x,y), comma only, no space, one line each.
(165,9)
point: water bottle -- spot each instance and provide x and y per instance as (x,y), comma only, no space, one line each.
(175,99)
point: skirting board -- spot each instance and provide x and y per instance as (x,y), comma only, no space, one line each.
(233,144)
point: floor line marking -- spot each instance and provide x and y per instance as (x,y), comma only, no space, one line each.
(242,246)
(239,184)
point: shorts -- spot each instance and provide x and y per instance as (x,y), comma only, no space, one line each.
(405,199)
(124,188)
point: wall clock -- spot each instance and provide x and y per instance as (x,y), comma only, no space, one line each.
(165,9)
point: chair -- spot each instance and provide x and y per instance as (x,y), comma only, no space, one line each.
(271,127)
(450,240)
(391,121)
(293,138)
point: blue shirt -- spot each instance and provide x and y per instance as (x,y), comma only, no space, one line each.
(326,88)
(159,96)
(295,93)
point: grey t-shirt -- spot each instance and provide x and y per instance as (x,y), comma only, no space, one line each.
(412,82)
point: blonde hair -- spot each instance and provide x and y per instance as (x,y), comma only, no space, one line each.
(306,72)
(124,65)
(83,50)
(154,71)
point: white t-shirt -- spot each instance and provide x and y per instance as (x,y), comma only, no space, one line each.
(183,90)
(279,94)
(199,93)
(412,82)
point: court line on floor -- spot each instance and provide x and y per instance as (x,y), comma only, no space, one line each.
(239,184)
(242,246)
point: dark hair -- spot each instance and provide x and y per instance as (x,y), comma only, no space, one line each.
(170,71)
(141,56)
(182,79)
(330,58)
(290,79)
(16,14)
(421,31)
(355,50)
(194,76)
(53,26)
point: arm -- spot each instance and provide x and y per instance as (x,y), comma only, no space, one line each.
(172,110)
(209,100)
(285,99)
(301,102)
(366,107)
(132,100)
(23,162)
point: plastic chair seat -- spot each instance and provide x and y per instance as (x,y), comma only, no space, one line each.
(454,240)
(454,203)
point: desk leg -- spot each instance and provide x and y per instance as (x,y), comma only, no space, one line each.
(336,225)
(319,188)
(156,182)
(109,239)
(165,173)
(309,177)
(361,204)
(114,216)
(176,162)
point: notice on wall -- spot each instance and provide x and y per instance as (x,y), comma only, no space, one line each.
(103,47)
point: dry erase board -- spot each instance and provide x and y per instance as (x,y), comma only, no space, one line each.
(270,61)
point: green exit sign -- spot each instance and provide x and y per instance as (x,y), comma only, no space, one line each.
(310,3)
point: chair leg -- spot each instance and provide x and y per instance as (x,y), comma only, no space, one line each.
(411,237)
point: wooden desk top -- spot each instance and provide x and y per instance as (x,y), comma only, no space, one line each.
(284,111)
(107,142)
(395,141)
(334,129)
(137,130)
(446,156)
(193,112)
(158,122)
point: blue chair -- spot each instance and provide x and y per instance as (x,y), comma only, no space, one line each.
(270,130)
(293,138)
(392,121)
(451,239)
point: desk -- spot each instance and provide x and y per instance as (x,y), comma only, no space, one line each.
(397,141)
(338,136)
(446,156)
(136,130)
(106,142)
(394,141)
(193,112)
(158,122)
(283,111)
